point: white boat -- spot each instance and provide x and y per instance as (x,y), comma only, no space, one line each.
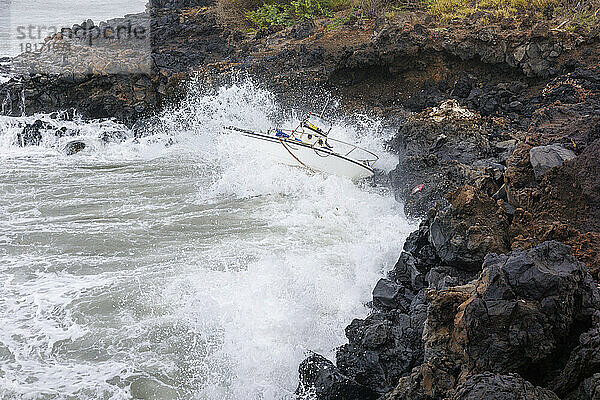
(310,147)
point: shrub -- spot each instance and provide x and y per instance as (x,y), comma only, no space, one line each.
(337,22)
(288,14)
(270,14)
(309,9)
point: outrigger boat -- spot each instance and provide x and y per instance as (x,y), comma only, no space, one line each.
(310,147)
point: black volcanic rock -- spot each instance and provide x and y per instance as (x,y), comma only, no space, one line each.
(113,136)
(522,315)
(463,233)
(526,307)
(388,294)
(303,30)
(384,346)
(440,150)
(542,158)
(489,386)
(31,134)
(74,147)
(175,4)
(321,379)
(588,390)
(583,363)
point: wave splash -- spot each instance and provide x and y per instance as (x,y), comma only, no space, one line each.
(194,270)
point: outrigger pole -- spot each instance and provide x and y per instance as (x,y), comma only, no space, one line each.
(324,108)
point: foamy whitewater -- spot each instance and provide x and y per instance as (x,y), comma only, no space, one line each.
(191,270)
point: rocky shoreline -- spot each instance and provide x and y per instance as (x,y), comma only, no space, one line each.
(476,306)
(496,295)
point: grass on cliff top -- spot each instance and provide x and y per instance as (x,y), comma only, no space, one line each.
(581,14)
(451,9)
(264,13)
(576,12)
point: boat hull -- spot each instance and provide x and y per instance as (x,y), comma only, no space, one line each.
(296,153)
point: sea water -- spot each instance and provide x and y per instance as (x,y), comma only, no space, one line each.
(182,265)
(16,16)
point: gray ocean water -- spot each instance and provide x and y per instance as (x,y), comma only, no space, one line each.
(197,270)
(53,13)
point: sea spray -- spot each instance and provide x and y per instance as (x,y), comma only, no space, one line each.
(196,270)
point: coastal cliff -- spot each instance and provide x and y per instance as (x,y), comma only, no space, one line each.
(496,295)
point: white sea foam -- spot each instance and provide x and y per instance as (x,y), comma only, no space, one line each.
(197,270)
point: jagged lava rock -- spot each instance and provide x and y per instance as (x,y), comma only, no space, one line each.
(489,386)
(472,226)
(568,194)
(583,362)
(519,177)
(321,379)
(588,390)
(388,294)
(543,158)
(522,315)
(440,150)
(31,134)
(585,170)
(74,147)
(384,346)
(524,309)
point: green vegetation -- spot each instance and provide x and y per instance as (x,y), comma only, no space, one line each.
(270,14)
(574,13)
(450,9)
(580,15)
(309,9)
(289,13)
(339,20)
(583,13)
(341,5)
